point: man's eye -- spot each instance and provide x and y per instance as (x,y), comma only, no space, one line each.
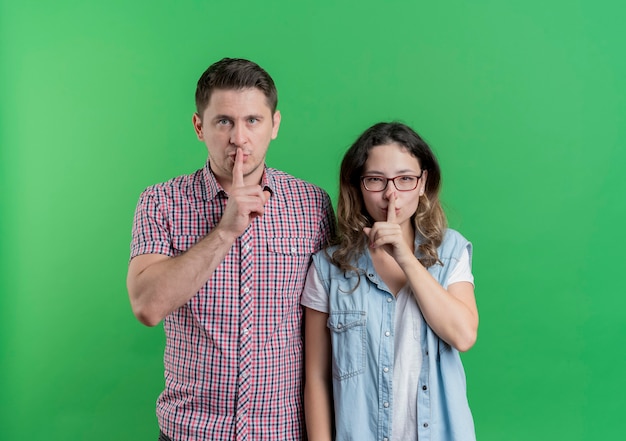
(253,120)
(223,122)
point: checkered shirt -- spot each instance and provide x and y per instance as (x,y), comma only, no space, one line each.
(233,355)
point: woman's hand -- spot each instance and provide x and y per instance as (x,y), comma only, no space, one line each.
(389,236)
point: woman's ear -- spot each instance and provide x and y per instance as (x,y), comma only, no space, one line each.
(423,182)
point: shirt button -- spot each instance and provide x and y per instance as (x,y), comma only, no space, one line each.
(370,275)
(385,439)
(294,249)
(387,333)
(389,300)
(339,325)
(385,404)
(246,290)
(424,387)
(247,248)
(425,425)
(246,331)
(385,369)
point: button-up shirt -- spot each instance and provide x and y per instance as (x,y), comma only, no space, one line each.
(233,354)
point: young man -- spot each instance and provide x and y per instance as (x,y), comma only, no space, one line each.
(221,257)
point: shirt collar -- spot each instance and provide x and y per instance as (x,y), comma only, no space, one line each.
(268,181)
(213,188)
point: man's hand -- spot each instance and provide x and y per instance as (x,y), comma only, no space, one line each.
(245,202)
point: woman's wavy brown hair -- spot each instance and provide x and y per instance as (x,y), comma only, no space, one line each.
(429,220)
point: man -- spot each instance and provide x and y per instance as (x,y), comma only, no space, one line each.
(221,257)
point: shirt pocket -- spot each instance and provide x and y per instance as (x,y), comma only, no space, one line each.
(347,334)
(291,246)
(285,266)
(181,243)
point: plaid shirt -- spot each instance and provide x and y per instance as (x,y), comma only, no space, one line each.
(233,355)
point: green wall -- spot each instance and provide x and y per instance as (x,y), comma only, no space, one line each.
(523,101)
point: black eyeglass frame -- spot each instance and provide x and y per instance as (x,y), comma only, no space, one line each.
(391,179)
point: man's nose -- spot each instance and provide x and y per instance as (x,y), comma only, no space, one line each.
(238,135)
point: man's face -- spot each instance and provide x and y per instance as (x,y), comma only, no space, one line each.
(237,119)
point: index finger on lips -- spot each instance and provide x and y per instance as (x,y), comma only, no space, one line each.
(238,169)
(391,208)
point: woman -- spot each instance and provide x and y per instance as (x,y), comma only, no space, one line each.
(389,307)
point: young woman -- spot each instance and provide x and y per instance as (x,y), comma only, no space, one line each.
(389,307)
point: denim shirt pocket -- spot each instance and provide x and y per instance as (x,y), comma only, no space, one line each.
(347,333)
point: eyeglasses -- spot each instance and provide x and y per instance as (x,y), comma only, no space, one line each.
(402,182)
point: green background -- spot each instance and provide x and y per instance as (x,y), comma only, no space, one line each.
(523,101)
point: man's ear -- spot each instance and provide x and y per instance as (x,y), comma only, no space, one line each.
(275,124)
(196,120)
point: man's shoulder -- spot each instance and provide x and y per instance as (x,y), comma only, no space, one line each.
(176,184)
(285,180)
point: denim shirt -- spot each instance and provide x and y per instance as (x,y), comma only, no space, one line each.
(361,324)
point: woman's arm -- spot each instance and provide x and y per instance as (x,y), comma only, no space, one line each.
(451,313)
(318,404)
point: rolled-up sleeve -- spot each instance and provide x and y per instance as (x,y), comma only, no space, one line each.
(151,228)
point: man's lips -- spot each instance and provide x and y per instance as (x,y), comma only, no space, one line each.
(233,156)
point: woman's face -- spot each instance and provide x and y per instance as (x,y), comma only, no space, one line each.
(390,161)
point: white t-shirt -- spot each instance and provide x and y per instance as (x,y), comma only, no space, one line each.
(408,356)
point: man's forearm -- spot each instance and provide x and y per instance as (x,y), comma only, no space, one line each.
(158,284)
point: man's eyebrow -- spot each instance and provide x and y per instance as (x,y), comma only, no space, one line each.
(216,117)
(229,117)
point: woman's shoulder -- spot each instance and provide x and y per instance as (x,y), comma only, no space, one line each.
(329,250)
(453,243)
(453,235)
(323,256)
(326,266)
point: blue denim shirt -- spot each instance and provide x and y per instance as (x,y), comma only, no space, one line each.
(361,327)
